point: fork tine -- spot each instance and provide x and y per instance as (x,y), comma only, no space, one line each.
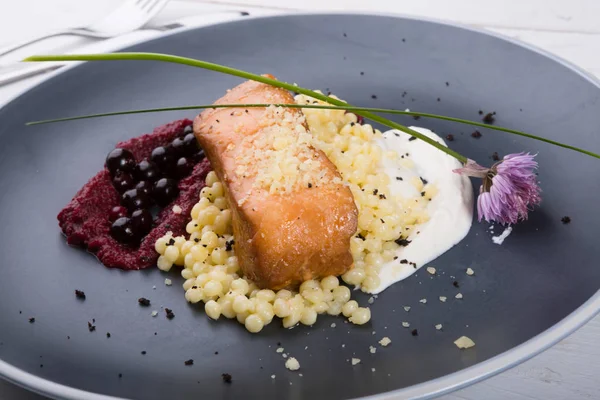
(153,5)
(144,4)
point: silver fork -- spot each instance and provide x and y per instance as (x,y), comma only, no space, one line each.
(129,16)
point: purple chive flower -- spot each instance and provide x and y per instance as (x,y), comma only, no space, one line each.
(509,188)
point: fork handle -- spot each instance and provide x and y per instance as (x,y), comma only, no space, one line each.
(27,42)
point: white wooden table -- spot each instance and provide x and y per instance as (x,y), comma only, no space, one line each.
(569,29)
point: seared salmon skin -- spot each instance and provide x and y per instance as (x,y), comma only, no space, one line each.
(293,217)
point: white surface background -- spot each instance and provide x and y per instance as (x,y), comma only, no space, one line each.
(570,29)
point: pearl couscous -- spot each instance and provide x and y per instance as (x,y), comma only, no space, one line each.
(211,270)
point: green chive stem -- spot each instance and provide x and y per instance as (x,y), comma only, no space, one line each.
(323,107)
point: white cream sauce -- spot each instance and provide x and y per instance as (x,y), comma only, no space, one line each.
(450,210)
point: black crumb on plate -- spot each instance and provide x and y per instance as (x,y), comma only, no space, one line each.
(216,352)
(480,112)
(489,118)
(565,219)
(80,294)
(402,242)
(31,320)
(143,352)
(91,327)
(450,137)
(107,334)
(120,375)
(373,96)
(416,117)
(170,314)
(144,301)
(438,99)
(189,362)
(495,156)
(455,284)
(404,40)
(345,35)
(476,134)
(414,332)
(226,378)
(447,83)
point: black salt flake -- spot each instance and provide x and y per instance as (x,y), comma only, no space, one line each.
(489,118)
(169,313)
(402,242)
(144,302)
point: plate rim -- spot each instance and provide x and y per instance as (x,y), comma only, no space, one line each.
(425,390)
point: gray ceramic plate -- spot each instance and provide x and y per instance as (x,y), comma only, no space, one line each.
(525,295)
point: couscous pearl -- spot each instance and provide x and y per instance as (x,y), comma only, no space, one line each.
(308,285)
(354,277)
(160,245)
(334,309)
(254,323)
(292,319)
(266,295)
(210,239)
(341,294)
(188,261)
(213,288)
(194,295)
(240,286)
(172,253)
(360,316)
(284,294)
(187,274)
(309,316)
(164,264)
(281,308)
(188,284)
(199,253)
(226,308)
(349,308)
(241,304)
(313,295)
(212,309)
(241,317)
(330,283)
(265,311)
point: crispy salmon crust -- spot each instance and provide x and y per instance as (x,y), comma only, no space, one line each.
(282,238)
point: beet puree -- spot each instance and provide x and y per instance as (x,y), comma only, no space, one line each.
(85,219)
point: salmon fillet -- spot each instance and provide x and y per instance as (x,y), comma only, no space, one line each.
(292,216)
